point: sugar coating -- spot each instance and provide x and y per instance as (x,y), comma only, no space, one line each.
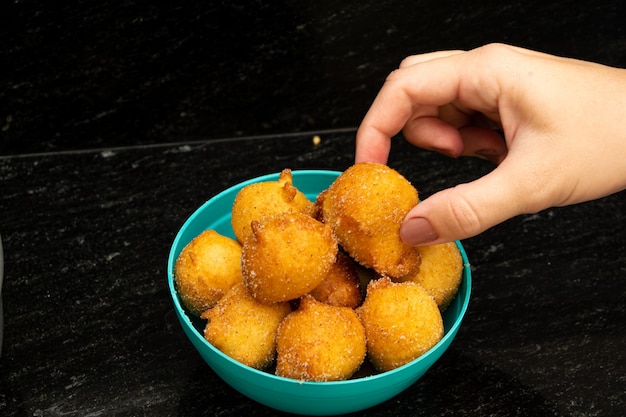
(365,207)
(244,328)
(287,256)
(320,342)
(205,269)
(441,272)
(401,320)
(260,199)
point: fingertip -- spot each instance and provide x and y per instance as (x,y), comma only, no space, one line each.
(431,222)
(371,146)
(416,231)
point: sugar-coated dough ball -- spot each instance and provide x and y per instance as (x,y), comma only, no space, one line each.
(286,256)
(341,286)
(401,320)
(205,269)
(260,199)
(365,207)
(441,271)
(320,342)
(244,328)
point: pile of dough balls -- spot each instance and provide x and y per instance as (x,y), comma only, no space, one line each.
(310,290)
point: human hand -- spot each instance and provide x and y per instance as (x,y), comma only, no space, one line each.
(562,119)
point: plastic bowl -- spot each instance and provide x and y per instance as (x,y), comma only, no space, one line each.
(309,398)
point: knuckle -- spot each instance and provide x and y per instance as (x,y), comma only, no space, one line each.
(463,214)
(494,50)
(408,61)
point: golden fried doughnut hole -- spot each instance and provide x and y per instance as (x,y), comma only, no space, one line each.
(319,202)
(260,199)
(205,269)
(320,342)
(365,207)
(244,328)
(287,256)
(341,286)
(401,320)
(441,271)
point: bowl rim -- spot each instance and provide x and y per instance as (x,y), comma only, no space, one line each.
(450,333)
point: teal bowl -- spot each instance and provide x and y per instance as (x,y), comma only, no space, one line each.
(307,398)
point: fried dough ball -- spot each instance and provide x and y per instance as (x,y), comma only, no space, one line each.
(205,269)
(401,320)
(260,199)
(320,342)
(341,286)
(441,271)
(287,256)
(244,328)
(365,207)
(319,203)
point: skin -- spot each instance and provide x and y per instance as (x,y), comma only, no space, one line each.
(564,140)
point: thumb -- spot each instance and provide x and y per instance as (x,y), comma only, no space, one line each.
(465,210)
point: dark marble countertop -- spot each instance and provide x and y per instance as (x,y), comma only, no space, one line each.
(81,74)
(119,120)
(90,328)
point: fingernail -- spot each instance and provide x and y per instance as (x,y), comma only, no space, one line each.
(417,231)
(489,154)
(446,152)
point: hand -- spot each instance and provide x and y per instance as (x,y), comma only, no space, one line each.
(564,125)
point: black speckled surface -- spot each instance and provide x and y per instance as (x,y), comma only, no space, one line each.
(119,120)
(84,74)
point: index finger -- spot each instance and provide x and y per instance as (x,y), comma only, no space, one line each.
(416,90)
(429,56)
